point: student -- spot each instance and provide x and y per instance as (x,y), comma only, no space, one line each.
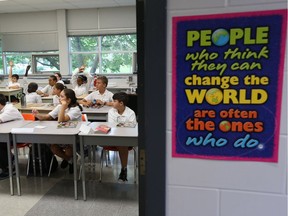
(59,78)
(74,79)
(100,97)
(68,110)
(32,96)
(57,89)
(13,78)
(120,113)
(79,84)
(48,90)
(7,113)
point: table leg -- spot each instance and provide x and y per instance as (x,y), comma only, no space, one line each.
(83,167)
(75,168)
(10,165)
(40,159)
(16,166)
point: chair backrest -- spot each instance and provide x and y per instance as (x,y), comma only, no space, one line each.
(28,116)
(84,117)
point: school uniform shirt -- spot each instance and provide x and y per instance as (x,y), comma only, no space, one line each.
(74,77)
(60,81)
(56,100)
(107,96)
(80,90)
(11,84)
(74,113)
(128,116)
(10,113)
(47,90)
(33,97)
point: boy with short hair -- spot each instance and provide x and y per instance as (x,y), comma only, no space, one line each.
(101,97)
(13,78)
(120,113)
(48,90)
(7,113)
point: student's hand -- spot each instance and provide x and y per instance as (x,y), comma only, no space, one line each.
(99,102)
(64,103)
(11,63)
(81,69)
(35,112)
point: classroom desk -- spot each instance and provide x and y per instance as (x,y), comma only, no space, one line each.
(41,107)
(97,114)
(5,136)
(10,92)
(48,135)
(118,136)
(49,99)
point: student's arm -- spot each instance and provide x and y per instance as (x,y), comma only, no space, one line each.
(62,117)
(86,103)
(10,70)
(74,78)
(41,117)
(43,91)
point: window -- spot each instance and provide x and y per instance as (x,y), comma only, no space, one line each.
(20,60)
(109,54)
(42,62)
(46,63)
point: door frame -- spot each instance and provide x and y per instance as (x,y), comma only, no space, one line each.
(151,59)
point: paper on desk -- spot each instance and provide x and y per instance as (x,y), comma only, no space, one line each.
(22,130)
(40,126)
(85,129)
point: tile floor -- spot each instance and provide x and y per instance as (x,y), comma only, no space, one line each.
(47,196)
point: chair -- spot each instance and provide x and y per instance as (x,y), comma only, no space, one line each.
(26,116)
(84,118)
(106,149)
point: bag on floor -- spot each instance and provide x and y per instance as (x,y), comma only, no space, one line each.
(46,156)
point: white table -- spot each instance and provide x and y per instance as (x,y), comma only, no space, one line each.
(48,135)
(9,92)
(97,114)
(41,107)
(5,136)
(118,136)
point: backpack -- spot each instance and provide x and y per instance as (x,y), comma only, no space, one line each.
(46,156)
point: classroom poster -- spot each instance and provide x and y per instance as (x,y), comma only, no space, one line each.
(227,79)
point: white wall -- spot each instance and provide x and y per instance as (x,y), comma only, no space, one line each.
(224,188)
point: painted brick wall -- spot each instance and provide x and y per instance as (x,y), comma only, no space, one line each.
(224,188)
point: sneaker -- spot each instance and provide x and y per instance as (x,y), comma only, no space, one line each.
(123,175)
(64,164)
(71,169)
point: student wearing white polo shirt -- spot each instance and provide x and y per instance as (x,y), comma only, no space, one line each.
(13,78)
(79,84)
(7,113)
(81,81)
(59,78)
(68,110)
(122,114)
(100,97)
(57,89)
(32,96)
(48,90)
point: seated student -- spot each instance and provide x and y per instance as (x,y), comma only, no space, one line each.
(79,84)
(13,78)
(120,113)
(32,96)
(48,90)
(7,113)
(59,77)
(100,97)
(57,89)
(68,110)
